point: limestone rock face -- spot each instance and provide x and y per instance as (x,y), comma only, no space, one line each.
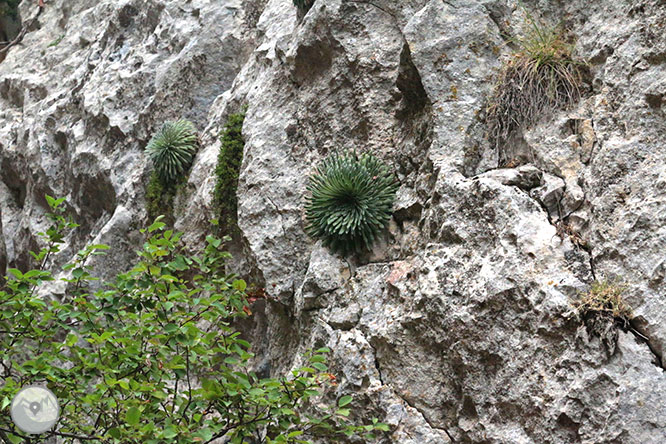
(458,326)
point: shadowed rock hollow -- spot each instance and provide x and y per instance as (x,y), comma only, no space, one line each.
(458,326)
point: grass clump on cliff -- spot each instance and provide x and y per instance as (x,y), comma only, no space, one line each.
(350,202)
(542,75)
(227,171)
(605,299)
(171,150)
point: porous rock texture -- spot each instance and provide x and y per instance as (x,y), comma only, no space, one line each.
(458,326)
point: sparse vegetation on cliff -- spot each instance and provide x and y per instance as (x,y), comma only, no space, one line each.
(227,170)
(542,75)
(350,202)
(605,298)
(9,8)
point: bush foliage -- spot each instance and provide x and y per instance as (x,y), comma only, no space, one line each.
(541,76)
(226,172)
(152,356)
(351,200)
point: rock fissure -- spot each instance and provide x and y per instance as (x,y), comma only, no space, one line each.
(658,359)
(425,417)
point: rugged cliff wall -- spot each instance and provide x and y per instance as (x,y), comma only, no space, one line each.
(458,327)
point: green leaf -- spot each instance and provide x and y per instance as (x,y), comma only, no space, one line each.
(239,285)
(17,273)
(157,225)
(133,416)
(344,401)
(15,439)
(169,432)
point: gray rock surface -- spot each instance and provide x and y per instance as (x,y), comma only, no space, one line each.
(458,326)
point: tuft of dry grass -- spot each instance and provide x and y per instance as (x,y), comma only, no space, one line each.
(604,298)
(542,75)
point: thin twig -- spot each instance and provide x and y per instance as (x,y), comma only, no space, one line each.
(24,29)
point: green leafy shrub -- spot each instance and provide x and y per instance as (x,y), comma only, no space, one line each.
(351,200)
(172,149)
(226,172)
(542,75)
(304,5)
(152,357)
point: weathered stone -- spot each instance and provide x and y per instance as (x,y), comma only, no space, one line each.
(458,326)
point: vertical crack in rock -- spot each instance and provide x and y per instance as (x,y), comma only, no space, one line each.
(377,367)
(414,97)
(642,337)
(279,212)
(425,417)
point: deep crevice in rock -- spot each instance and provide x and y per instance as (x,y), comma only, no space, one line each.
(641,336)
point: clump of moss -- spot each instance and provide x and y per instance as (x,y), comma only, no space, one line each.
(227,171)
(160,197)
(542,75)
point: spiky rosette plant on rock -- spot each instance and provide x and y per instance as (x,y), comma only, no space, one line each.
(172,149)
(351,200)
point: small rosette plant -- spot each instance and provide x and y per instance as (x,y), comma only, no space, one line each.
(350,202)
(172,149)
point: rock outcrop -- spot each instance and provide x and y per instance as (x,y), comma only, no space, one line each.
(458,326)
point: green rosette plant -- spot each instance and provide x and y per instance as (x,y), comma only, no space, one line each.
(350,202)
(172,149)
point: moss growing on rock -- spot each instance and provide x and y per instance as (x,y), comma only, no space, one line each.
(229,162)
(160,197)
